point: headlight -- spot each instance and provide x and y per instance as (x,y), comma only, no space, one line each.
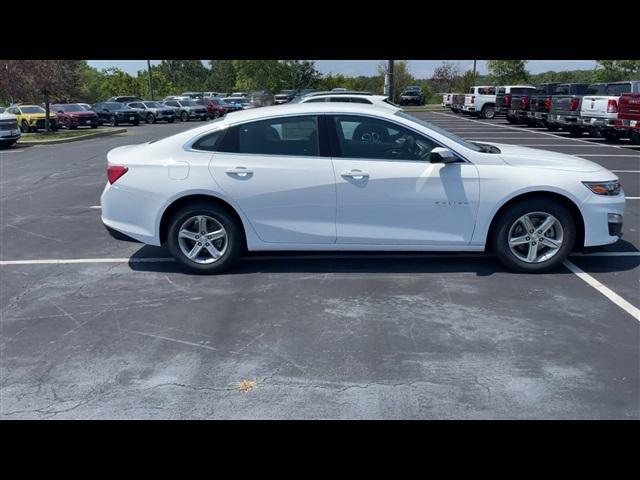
(604,188)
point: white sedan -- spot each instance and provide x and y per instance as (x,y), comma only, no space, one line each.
(355,97)
(334,176)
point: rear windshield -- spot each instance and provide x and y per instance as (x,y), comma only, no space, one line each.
(618,88)
(596,89)
(502,90)
(562,90)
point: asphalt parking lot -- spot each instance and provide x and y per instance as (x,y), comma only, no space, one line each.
(115,330)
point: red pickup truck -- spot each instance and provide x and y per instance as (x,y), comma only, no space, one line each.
(628,121)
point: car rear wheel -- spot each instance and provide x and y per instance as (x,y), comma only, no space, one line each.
(575,132)
(171,120)
(512,119)
(216,114)
(534,235)
(488,112)
(184,116)
(113,120)
(610,136)
(635,138)
(150,118)
(204,238)
(24,127)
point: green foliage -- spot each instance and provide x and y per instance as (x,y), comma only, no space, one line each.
(222,76)
(504,72)
(615,70)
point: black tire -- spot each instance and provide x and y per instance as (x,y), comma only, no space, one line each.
(151,118)
(171,120)
(113,120)
(635,138)
(488,112)
(184,116)
(511,119)
(234,237)
(136,123)
(552,127)
(575,131)
(216,114)
(94,125)
(610,136)
(24,127)
(500,243)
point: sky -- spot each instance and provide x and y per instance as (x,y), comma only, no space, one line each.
(419,68)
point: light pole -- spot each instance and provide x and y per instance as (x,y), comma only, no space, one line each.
(150,82)
(388,81)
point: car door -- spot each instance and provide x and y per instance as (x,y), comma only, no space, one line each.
(390,193)
(281,178)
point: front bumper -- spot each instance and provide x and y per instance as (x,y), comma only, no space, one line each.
(598,212)
(8,135)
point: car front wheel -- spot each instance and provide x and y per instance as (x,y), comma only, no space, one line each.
(534,236)
(204,238)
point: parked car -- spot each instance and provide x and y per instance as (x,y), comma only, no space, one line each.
(446,100)
(153,112)
(175,97)
(598,113)
(540,103)
(239,94)
(242,103)
(564,111)
(480,101)
(285,96)
(86,106)
(124,99)
(503,98)
(9,130)
(411,97)
(477,195)
(628,122)
(261,98)
(519,108)
(192,95)
(302,93)
(364,98)
(188,110)
(116,113)
(338,89)
(457,102)
(72,116)
(31,118)
(217,107)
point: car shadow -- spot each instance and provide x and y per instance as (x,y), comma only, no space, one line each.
(364,262)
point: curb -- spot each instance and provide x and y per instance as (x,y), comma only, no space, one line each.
(103,133)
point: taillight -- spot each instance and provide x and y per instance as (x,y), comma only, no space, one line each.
(548,103)
(575,103)
(507,99)
(473,99)
(524,102)
(612,106)
(114,172)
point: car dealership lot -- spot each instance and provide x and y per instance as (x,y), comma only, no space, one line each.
(127,335)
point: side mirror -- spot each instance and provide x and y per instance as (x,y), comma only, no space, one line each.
(442,155)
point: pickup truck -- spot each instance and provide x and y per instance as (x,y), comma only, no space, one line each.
(446,100)
(9,130)
(564,111)
(480,101)
(628,121)
(520,108)
(457,102)
(599,113)
(503,98)
(540,103)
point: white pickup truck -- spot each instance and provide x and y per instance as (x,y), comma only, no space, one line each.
(9,131)
(481,101)
(446,99)
(599,112)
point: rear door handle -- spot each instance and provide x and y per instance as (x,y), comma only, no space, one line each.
(240,171)
(355,174)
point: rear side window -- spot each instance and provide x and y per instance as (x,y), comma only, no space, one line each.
(209,142)
(596,89)
(360,100)
(296,136)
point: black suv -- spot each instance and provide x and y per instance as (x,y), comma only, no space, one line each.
(412,96)
(116,113)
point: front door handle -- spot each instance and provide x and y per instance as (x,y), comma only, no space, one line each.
(355,174)
(240,171)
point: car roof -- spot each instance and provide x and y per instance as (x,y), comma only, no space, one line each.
(340,92)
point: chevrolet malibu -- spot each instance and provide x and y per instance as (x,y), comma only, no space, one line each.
(344,177)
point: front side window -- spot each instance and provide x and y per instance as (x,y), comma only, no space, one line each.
(296,136)
(33,109)
(373,138)
(316,100)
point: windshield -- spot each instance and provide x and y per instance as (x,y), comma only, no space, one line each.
(32,109)
(115,106)
(72,108)
(188,103)
(445,133)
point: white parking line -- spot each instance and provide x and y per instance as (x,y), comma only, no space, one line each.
(64,261)
(605,155)
(96,207)
(632,198)
(10,151)
(607,292)
(625,171)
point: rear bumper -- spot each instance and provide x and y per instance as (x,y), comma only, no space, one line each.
(564,120)
(598,122)
(469,108)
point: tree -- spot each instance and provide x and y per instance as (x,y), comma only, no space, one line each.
(222,75)
(615,70)
(184,75)
(503,72)
(466,81)
(446,75)
(161,86)
(402,78)
(40,80)
(267,75)
(301,74)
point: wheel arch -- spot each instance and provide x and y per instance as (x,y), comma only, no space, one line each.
(563,199)
(181,202)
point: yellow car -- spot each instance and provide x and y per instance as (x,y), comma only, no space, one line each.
(31,117)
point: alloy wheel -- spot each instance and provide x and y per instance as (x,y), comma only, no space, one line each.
(535,237)
(202,239)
